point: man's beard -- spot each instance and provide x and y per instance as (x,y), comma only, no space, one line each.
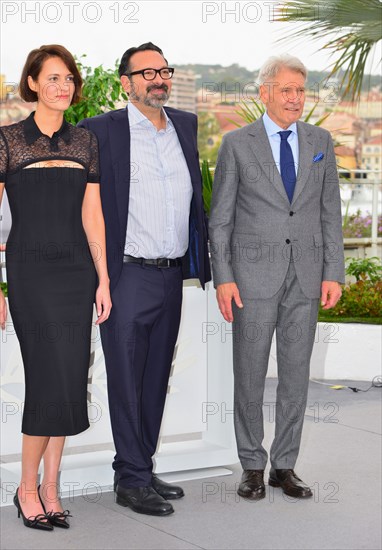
(156,101)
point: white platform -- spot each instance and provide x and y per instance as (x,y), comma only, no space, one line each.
(343,351)
(90,475)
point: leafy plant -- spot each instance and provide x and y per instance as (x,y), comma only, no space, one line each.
(101,92)
(365,269)
(362,299)
(249,111)
(209,137)
(252,110)
(358,226)
(4,288)
(207,186)
(356,24)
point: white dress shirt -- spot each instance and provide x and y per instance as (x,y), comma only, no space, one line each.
(272,130)
(160,191)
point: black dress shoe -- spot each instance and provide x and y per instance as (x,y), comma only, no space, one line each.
(292,485)
(252,485)
(166,490)
(144,500)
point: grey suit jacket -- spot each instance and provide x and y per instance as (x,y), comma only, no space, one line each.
(253,227)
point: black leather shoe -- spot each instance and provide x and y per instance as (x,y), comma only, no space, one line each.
(292,485)
(143,500)
(252,485)
(166,490)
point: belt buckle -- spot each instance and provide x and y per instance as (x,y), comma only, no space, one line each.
(167,262)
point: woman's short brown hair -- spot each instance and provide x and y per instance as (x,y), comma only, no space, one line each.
(33,66)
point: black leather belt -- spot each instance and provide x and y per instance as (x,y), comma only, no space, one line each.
(158,262)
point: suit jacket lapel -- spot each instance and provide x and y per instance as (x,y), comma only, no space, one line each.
(194,257)
(306,153)
(262,150)
(119,136)
(188,150)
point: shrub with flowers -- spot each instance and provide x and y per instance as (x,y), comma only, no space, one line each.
(358,225)
(362,300)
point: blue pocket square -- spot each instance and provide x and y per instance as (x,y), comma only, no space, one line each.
(318,157)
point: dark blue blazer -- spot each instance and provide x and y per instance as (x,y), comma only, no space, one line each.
(113,132)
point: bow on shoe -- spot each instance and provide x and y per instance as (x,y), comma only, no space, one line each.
(59,519)
(34,520)
(60,515)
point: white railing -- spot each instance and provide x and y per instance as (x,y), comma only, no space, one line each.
(358,180)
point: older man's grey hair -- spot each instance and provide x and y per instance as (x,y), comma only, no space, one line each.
(275,63)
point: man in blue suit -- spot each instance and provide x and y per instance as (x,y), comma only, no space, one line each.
(156,236)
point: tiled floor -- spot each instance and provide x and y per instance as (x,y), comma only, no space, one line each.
(340,458)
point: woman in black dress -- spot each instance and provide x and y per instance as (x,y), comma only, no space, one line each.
(55,250)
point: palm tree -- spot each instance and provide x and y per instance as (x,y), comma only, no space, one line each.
(358,27)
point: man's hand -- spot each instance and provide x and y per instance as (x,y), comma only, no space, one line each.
(225,293)
(330,294)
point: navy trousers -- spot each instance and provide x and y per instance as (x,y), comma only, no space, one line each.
(138,342)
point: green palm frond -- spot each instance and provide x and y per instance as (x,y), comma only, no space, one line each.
(249,112)
(358,27)
(207,185)
(322,119)
(252,110)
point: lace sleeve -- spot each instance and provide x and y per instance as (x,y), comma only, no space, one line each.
(3,157)
(93,172)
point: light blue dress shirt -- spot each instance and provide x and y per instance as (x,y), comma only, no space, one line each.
(271,129)
(160,191)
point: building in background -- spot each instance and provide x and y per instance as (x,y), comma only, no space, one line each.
(372,154)
(346,158)
(368,108)
(183,93)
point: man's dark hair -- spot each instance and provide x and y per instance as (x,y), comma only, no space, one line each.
(124,66)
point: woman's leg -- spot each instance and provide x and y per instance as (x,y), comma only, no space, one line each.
(32,452)
(49,490)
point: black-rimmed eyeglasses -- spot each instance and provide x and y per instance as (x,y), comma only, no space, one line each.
(149,74)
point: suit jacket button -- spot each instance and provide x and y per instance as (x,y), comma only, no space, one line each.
(287,241)
(291,213)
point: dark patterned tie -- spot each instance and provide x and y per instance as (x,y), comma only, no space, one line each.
(287,168)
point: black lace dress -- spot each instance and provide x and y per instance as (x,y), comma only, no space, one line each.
(50,272)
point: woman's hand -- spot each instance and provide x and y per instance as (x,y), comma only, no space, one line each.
(3,310)
(103,303)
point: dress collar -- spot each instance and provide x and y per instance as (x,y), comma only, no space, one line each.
(32,132)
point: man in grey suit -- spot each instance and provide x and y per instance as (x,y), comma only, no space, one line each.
(276,245)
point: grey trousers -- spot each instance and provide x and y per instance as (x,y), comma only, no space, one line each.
(294,317)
